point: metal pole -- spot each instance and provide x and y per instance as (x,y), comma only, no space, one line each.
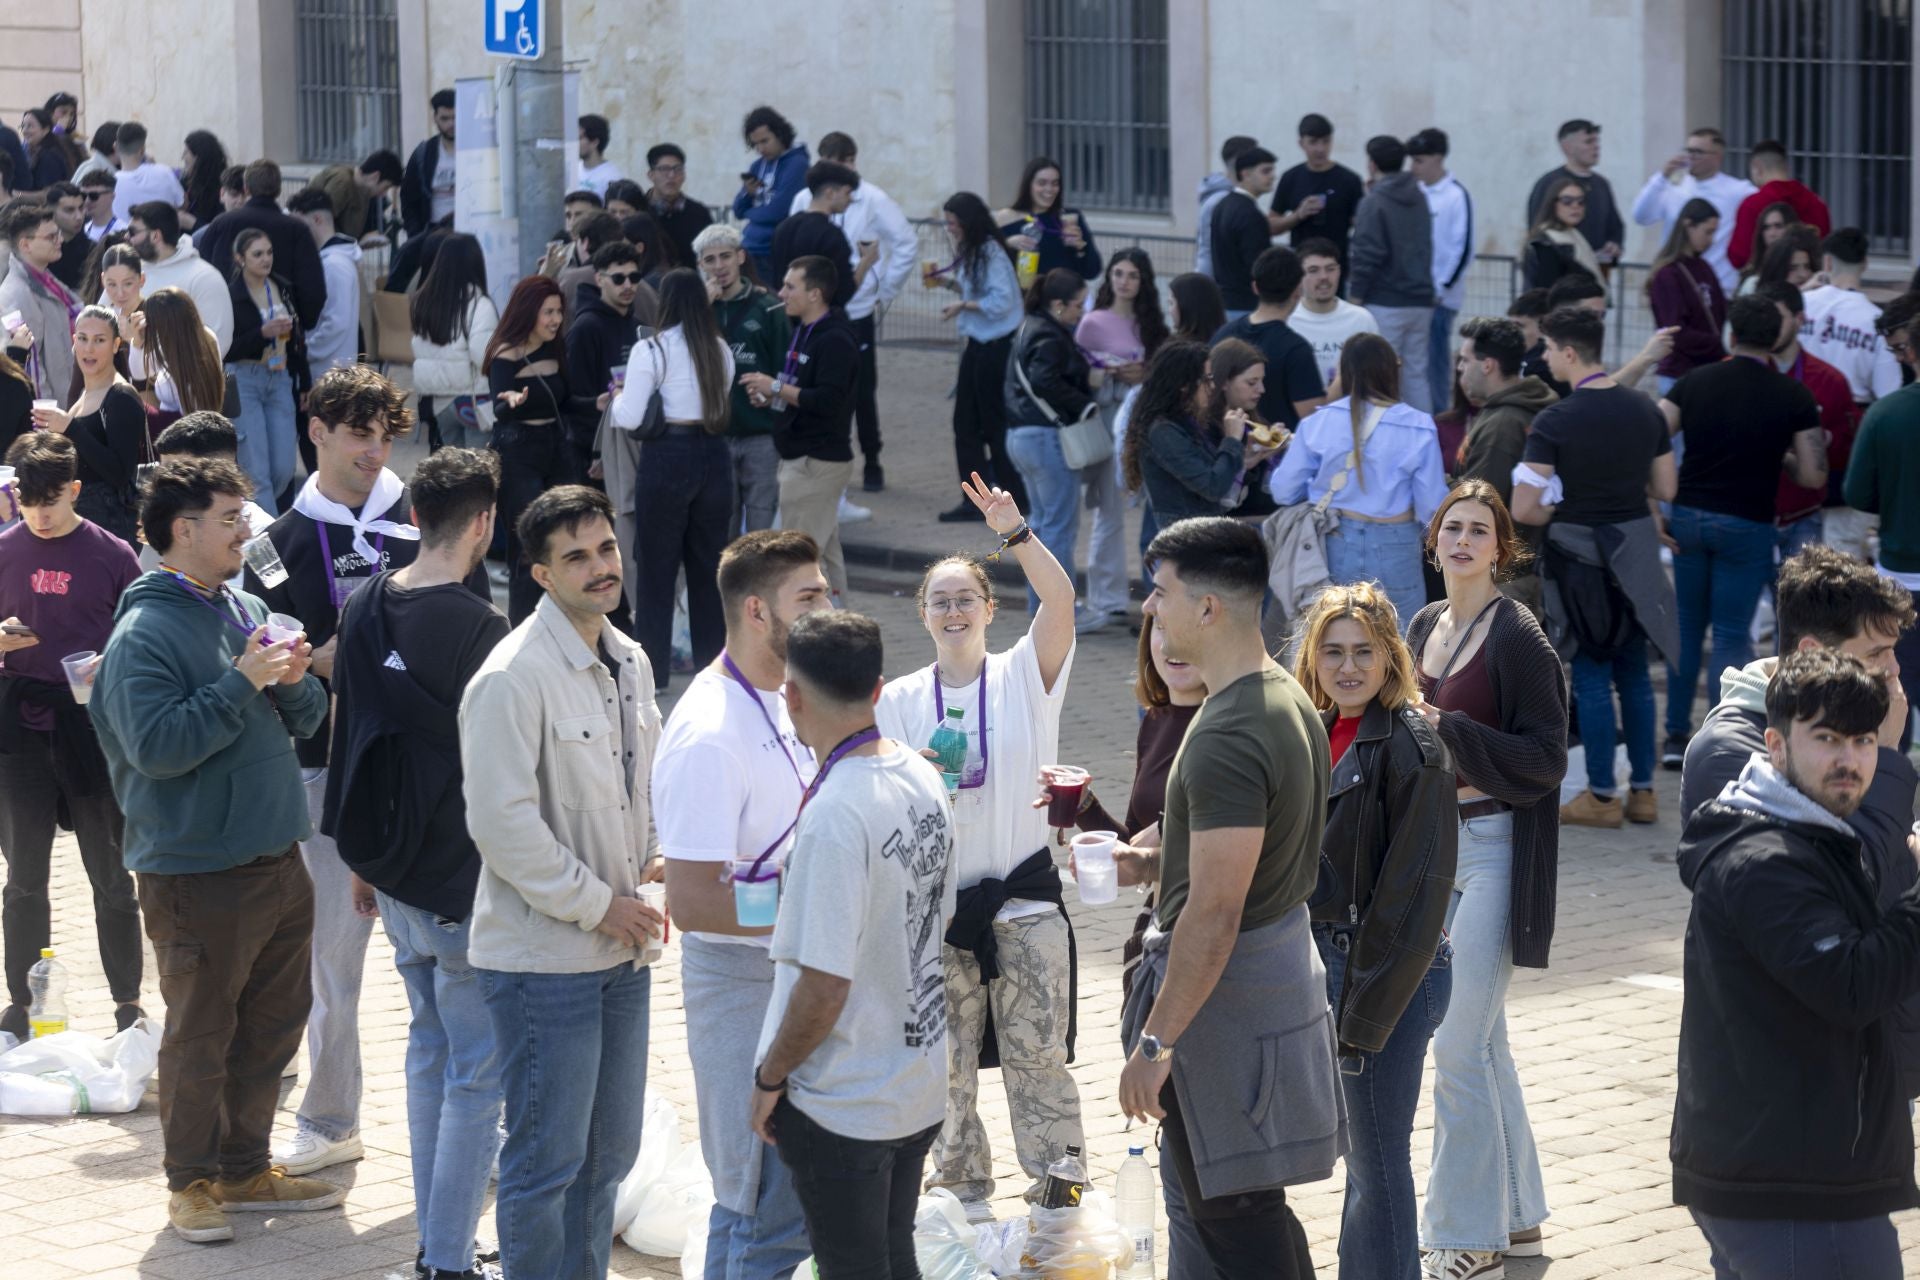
(542,141)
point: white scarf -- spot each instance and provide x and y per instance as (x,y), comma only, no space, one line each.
(386,492)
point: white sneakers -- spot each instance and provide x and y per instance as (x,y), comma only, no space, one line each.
(853,512)
(1461,1264)
(310,1151)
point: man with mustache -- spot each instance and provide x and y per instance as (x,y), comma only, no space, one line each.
(558,732)
(1792,1144)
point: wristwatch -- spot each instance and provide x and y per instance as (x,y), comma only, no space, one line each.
(1152,1050)
(764,1087)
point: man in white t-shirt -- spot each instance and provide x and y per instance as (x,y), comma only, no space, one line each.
(596,171)
(1324,318)
(1841,327)
(1668,191)
(727,787)
(141,179)
(850,1076)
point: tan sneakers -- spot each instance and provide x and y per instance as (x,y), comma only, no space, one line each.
(196,1216)
(273,1191)
(1589,810)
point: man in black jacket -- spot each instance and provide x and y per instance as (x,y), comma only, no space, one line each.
(426,188)
(601,333)
(296,258)
(408,643)
(814,391)
(1240,232)
(1791,1138)
(812,231)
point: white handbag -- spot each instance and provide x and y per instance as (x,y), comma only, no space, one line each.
(1085,443)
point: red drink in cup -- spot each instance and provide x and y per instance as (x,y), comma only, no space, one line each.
(1066,782)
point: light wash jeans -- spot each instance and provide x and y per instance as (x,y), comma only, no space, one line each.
(331,1105)
(266,426)
(1484,1183)
(1107,548)
(1389,554)
(453,1081)
(1409,331)
(573,1064)
(1054,490)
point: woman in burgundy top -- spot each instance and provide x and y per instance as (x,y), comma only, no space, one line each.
(1492,687)
(1686,293)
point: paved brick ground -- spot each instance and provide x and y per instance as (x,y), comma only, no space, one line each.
(1594,1035)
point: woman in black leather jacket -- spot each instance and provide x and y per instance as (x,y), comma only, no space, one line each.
(1386,877)
(1048,386)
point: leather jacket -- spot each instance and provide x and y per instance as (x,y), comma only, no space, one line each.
(1386,866)
(1056,371)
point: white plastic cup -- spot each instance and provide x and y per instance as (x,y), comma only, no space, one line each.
(283,628)
(1094,868)
(264,559)
(51,406)
(6,475)
(655,896)
(81,668)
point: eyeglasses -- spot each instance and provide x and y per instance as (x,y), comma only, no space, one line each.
(1702,151)
(623,277)
(1333,657)
(90,196)
(966,602)
(233,524)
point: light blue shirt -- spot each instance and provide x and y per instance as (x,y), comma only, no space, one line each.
(998,295)
(1399,468)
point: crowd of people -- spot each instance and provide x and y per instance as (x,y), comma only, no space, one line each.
(1395,564)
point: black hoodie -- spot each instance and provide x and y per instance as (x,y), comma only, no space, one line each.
(1789,1102)
(598,341)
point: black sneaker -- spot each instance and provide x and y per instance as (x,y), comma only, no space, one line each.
(875,479)
(961,514)
(1674,754)
(486,1265)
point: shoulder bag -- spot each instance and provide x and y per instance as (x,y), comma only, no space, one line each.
(653,422)
(1085,443)
(1296,536)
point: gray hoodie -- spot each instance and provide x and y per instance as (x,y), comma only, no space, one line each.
(1212,187)
(1764,790)
(1390,260)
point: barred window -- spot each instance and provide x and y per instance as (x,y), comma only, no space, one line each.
(1832,79)
(348,79)
(1097,99)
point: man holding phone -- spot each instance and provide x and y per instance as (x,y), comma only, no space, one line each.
(60,577)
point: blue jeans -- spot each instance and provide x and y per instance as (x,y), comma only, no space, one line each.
(453,1080)
(1054,490)
(573,1063)
(1440,360)
(1793,1249)
(1379,1239)
(1593,686)
(1389,554)
(266,429)
(1485,1181)
(1723,565)
(767,1243)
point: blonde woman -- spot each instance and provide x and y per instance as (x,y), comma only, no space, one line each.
(1386,881)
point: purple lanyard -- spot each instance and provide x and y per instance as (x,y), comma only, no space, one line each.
(1592,377)
(788,370)
(326,554)
(739,678)
(847,745)
(246,628)
(940,718)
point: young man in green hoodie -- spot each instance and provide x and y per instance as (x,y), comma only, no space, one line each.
(193,704)
(756,325)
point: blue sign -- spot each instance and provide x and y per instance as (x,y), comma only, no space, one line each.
(513,28)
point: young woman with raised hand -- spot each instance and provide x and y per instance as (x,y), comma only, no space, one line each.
(1008,953)
(1386,881)
(1492,686)
(1040,223)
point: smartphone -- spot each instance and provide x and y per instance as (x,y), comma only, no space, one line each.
(18,629)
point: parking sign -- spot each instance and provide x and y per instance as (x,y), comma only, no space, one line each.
(513,28)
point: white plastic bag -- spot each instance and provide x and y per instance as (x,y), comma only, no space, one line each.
(999,1245)
(659,1144)
(670,1204)
(1082,1243)
(943,1239)
(75,1074)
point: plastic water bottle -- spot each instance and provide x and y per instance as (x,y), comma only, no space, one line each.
(1066,1182)
(1133,1196)
(47,981)
(949,746)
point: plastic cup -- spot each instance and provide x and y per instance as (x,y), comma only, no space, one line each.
(1094,868)
(283,628)
(930,273)
(6,475)
(264,559)
(756,895)
(51,406)
(655,896)
(81,667)
(1066,781)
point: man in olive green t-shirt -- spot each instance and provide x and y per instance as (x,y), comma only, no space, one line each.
(1229,967)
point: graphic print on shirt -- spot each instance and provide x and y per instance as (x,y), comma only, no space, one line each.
(49,582)
(1833,332)
(924,852)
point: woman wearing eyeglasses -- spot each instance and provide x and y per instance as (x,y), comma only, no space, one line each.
(1008,952)
(1555,246)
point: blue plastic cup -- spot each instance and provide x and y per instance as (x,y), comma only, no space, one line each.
(756,896)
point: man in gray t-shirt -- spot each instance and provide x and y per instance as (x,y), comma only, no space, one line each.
(851,1081)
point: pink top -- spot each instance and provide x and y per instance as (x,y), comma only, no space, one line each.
(1109,338)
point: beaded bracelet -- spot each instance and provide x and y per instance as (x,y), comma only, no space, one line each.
(1014,539)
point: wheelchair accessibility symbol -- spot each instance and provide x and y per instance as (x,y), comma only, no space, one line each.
(514,28)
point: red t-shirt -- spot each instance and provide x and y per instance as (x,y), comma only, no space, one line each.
(1341,736)
(1839,418)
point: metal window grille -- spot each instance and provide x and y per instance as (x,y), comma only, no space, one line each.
(348,78)
(1832,79)
(1097,99)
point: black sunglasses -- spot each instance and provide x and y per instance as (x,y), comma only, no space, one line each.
(623,277)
